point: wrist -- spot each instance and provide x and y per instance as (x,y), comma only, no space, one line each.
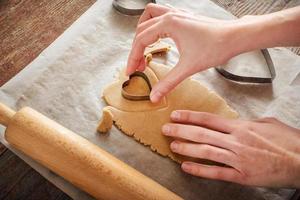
(266,31)
(249,33)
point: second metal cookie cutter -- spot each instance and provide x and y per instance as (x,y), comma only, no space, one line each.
(250,79)
(130,7)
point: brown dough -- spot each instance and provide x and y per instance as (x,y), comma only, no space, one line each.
(157,47)
(142,89)
(143,120)
(106,121)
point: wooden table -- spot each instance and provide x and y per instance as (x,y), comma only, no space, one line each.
(27,28)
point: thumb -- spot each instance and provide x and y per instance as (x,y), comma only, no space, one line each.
(169,82)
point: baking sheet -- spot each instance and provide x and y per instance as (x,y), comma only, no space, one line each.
(66,80)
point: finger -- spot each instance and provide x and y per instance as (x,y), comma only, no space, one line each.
(145,38)
(199,135)
(153,10)
(169,82)
(212,172)
(141,27)
(207,120)
(142,65)
(132,65)
(204,151)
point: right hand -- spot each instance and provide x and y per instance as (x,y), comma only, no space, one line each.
(202,42)
(264,152)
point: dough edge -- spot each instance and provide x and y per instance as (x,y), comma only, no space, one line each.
(108,119)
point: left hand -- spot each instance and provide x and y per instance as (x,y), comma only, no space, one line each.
(264,152)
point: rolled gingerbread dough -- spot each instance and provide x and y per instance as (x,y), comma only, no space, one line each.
(143,120)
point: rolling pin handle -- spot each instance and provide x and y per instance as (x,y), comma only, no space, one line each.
(6,114)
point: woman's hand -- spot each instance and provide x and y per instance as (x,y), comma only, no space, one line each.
(204,42)
(264,152)
(201,41)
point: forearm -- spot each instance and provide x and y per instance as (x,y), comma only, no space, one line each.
(272,30)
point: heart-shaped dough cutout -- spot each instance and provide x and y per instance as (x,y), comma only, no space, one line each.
(112,94)
(137,88)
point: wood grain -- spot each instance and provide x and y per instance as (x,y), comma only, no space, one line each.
(28,27)
(2,149)
(19,181)
(10,166)
(240,8)
(33,186)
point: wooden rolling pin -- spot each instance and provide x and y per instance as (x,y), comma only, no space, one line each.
(76,159)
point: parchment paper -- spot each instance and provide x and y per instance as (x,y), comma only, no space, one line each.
(66,80)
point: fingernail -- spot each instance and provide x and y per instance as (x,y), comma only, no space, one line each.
(155,96)
(185,166)
(166,129)
(175,115)
(174,146)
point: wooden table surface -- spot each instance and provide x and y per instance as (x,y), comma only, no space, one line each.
(26,29)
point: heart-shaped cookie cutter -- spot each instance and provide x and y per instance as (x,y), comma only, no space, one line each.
(250,79)
(133,97)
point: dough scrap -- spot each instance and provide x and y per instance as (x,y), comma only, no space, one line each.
(106,121)
(143,120)
(157,47)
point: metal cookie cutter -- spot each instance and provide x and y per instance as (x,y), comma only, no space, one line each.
(133,97)
(252,79)
(131,7)
(157,47)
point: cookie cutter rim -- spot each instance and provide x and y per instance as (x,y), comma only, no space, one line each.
(129,11)
(251,79)
(128,96)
